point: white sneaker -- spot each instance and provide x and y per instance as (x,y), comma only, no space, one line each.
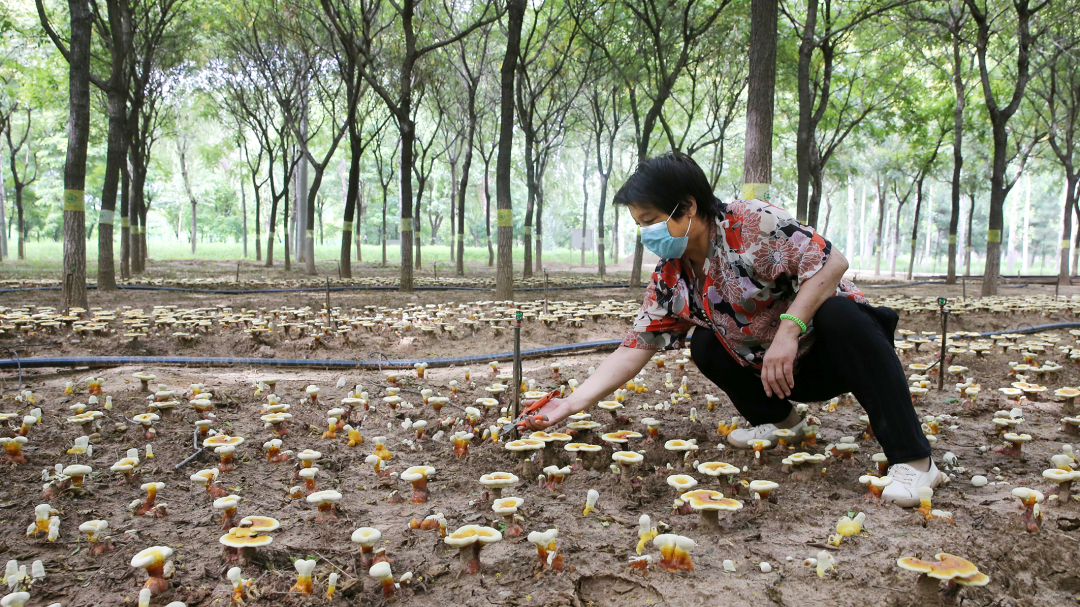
(904,490)
(742,437)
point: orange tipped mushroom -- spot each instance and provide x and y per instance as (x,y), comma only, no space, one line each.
(153,561)
(709,504)
(469,540)
(418,476)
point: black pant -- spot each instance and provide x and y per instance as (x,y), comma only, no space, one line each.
(853,353)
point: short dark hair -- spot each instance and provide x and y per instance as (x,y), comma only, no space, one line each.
(665,183)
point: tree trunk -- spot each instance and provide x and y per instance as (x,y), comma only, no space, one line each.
(1066,227)
(74,277)
(760,94)
(125,223)
(967,244)
(601,266)
(138,193)
(1076,237)
(271,223)
(996,219)
(504,276)
(142,235)
(309,242)
(116,103)
(421,184)
(21,226)
(915,227)
(539,242)
(530,204)
(463,187)
(243,214)
(285,221)
(385,186)
(958,156)
(359,226)
(804,132)
(487,213)
(453,209)
(585,204)
(3,219)
(408,135)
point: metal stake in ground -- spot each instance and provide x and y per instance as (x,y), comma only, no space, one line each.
(516,393)
(545,292)
(944,341)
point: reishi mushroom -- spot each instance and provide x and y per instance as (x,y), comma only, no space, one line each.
(469,539)
(366,537)
(674,552)
(153,561)
(418,476)
(709,504)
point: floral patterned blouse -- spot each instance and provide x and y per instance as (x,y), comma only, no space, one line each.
(758,256)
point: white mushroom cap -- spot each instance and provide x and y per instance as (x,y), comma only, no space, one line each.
(77,470)
(380,571)
(95,526)
(499,480)
(324,496)
(227,502)
(416,473)
(759,486)
(305,567)
(151,555)
(15,599)
(366,536)
(507,505)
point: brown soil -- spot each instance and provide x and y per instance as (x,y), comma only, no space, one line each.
(1025,569)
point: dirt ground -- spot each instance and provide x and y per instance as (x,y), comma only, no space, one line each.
(1025,569)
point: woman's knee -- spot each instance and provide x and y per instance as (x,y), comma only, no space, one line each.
(701,343)
(835,312)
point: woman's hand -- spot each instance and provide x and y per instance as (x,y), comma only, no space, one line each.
(778,366)
(556,410)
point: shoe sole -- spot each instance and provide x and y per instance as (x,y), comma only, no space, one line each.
(741,445)
(912,502)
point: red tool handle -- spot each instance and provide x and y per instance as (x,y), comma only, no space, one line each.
(537,404)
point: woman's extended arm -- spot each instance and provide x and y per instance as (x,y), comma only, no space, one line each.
(618,368)
(777,368)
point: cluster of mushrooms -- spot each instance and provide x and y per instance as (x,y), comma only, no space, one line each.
(626,448)
(187,326)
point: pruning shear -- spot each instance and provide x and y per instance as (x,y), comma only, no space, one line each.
(520,421)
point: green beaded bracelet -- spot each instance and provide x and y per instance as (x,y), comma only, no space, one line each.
(794,319)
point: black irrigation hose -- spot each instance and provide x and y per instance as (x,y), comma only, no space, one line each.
(316,289)
(195,361)
(906,284)
(1030,329)
(1024,331)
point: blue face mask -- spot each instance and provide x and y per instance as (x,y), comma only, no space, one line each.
(659,240)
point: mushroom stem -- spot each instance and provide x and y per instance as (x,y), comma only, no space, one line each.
(420,491)
(157,583)
(709,520)
(366,556)
(227,519)
(226,464)
(461,448)
(513,528)
(470,558)
(388,587)
(14,452)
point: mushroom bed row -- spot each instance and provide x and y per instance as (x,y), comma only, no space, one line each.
(656,446)
(187,326)
(473,282)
